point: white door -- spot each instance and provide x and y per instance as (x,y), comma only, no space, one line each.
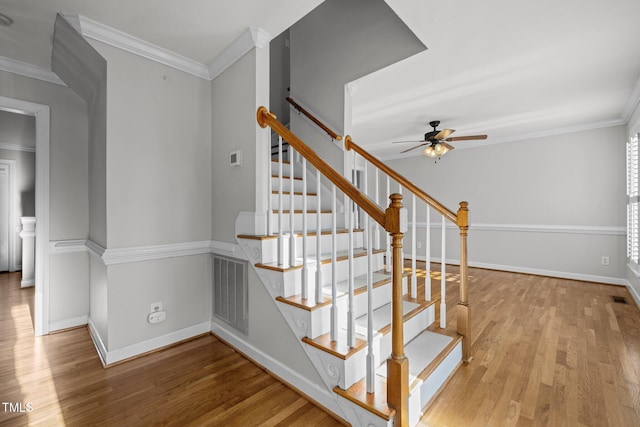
(4,217)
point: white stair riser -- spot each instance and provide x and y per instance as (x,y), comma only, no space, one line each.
(342,242)
(437,379)
(412,328)
(298,184)
(286,167)
(312,202)
(325,222)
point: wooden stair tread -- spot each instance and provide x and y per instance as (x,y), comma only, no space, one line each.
(325,259)
(338,348)
(375,402)
(299,211)
(296,233)
(286,177)
(309,304)
(295,193)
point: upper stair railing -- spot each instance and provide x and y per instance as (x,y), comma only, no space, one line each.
(314,119)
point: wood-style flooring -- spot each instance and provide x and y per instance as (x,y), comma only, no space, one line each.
(202,382)
(548,352)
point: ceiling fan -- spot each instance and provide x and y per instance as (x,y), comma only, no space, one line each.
(437,141)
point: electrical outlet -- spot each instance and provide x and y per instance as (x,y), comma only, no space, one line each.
(419,245)
(157,316)
(156,306)
(604,260)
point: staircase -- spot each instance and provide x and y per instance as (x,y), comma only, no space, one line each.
(339,290)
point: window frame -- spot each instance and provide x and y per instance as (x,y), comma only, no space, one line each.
(633,202)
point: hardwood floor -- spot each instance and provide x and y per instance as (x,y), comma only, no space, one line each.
(201,382)
(548,352)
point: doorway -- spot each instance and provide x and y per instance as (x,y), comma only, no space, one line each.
(4,217)
(42,117)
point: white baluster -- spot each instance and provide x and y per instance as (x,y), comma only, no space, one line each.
(371,358)
(376,230)
(351,315)
(351,319)
(305,251)
(292,239)
(318,239)
(443,280)
(414,278)
(427,276)
(387,264)
(334,267)
(365,189)
(282,243)
(270,197)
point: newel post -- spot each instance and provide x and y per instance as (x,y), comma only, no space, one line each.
(397,364)
(464,314)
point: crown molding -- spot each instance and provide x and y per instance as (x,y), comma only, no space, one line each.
(116,38)
(29,70)
(632,103)
(253,37)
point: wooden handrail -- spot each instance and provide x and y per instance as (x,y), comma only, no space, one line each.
(311,117)
(266,118)
(350,145)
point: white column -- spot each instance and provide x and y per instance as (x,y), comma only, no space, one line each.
(28,235)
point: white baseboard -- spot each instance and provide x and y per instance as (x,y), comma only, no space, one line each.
(633,292)
(537,272)
(118,355)
(317,393)
(26,283)
(59,325)
(97,341)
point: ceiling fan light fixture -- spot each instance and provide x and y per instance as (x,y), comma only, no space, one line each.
(430,152)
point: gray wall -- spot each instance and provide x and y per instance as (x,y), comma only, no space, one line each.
(339,42)
(20,130)
(68,217)
(538,205)
(158,181)
(280,76)
(236,94)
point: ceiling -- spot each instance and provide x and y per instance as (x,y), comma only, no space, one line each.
(510,69)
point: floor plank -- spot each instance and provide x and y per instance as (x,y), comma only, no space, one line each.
(200,382)
(548,352)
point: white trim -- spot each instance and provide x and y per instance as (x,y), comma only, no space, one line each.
(28,70)
(42,115)
(67,246)
(231,250)
(16,147)
(13,214)
(540,272)
(59,325)
(253,37)
(320,394)
(146,346)
(632,102)
(633,293)
(537,228)
(146,253)
(116,38)
(97,341)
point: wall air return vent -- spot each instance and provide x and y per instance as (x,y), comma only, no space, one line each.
(230,298)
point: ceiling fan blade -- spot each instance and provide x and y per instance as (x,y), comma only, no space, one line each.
(443,133)
(448,146)
(466,138)
(405,142)
(413,148)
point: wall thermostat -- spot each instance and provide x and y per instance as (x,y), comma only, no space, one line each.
(235,158)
